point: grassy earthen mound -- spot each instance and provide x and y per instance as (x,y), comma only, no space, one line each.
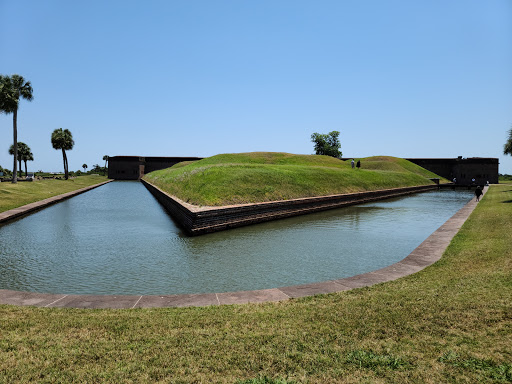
(268,176)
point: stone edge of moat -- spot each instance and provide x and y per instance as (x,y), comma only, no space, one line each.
(202,220)
(16,213)
(427,253)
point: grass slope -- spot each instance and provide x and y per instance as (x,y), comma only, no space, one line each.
(267,176)
(16,195)
(450,323)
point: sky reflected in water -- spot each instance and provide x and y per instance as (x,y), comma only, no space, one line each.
(117,239)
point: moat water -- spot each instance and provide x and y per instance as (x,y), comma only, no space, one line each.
(117,239)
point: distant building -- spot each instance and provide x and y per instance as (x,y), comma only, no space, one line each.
(482,169)
(134,167)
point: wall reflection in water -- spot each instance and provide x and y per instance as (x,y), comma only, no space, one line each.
(117,239)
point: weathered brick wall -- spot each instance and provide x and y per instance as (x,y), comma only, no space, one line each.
(135,167)
(482,169)
(197,221)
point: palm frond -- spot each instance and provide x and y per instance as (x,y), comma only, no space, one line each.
(507,148)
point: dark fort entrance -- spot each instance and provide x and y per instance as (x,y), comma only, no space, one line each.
(134,167)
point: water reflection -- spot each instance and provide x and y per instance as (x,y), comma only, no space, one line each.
(117,239)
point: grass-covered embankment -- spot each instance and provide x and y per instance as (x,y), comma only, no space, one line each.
(26,192)
(268,176)
(450,323)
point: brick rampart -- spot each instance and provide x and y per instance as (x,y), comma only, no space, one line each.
(200,220)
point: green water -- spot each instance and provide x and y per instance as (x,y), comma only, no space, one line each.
(117,239)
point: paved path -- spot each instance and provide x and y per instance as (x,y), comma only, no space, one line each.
(424,255)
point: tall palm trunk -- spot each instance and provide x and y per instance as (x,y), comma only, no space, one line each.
(65,159)
(15,139)
(26,173)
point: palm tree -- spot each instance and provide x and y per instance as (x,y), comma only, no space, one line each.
(27,157)
(507,149)
(63,139)
(23,151)
(106,160)
(84,166)
(11,89)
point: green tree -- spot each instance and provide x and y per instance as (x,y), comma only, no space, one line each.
(507,148)
(63,139)
(23,153)
(327,144)
(11,89)
(106,159)
(5,172)
(84,166)
(27,157)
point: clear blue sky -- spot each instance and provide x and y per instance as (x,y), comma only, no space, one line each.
(197,78)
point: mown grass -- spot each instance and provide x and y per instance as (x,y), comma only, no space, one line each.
(450,323)
(268,176)
(16,195)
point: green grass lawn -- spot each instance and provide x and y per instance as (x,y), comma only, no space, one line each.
(450,323)
(16,195)
(268,176)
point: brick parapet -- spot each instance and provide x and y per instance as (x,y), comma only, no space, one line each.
(200,220)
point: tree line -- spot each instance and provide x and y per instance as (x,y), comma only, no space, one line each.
(12,89)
